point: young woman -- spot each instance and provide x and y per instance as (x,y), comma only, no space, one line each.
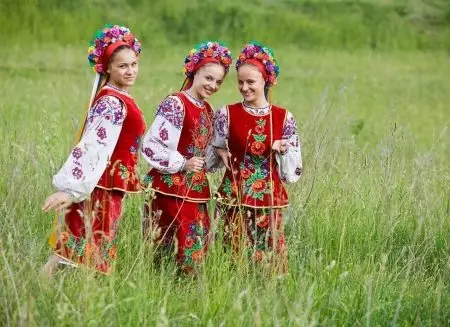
(100,170)
(259,146)
(175,147)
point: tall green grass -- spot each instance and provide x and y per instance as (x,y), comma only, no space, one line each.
(367,230)
(349,24)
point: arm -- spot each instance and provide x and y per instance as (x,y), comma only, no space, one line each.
(290,162)
(217,150)
(88,160)
(160,144)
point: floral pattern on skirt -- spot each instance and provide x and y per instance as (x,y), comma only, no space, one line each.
(89,236)
(175,222)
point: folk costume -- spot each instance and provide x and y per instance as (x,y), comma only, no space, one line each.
(177,215)
(101,168)
(251,195)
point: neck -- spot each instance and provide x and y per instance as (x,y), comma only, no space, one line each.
(258,103)
(118,87)
(194,94)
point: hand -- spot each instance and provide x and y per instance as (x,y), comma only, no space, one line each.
(194,164)
(57,201)
(280,146)
(225,155)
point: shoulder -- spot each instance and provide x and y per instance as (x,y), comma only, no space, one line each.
(171,103)
(111,100)
(234,107)
(172,109)
(109,107)
(279,109)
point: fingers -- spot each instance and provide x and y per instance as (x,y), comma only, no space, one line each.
(49,203)
(56,201)
(63,205)
(196,164)
(226,160)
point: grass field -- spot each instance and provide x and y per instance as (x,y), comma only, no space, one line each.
(367,230)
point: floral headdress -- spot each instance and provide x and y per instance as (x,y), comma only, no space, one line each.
(262,56)
(100,48)
(210,51)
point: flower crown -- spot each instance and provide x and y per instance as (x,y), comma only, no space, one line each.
(258,51)
(105,37)
(210,49)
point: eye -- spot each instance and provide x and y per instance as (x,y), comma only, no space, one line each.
(134,64)
(219,82)
(209,78)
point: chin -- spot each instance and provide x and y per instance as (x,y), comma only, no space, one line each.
(206,95)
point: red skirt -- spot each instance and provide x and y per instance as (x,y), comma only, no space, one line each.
(175,222)
(89,236)
(259,232)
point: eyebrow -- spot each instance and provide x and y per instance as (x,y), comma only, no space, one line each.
(125,62)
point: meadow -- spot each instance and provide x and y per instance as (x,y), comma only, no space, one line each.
(368,225)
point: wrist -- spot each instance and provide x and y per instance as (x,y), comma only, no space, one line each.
(69,194)
(183,164)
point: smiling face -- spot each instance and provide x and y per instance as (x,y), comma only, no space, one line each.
(123,68)
(207,81)
(251,84)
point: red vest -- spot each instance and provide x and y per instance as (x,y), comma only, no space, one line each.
(195,136)
(254,181)
(120,173)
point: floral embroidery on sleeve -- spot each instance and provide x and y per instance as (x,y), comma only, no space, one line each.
(88,159)
(160,143)
(290,164)
(171,109)
(219,139)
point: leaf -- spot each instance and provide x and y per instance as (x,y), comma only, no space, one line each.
(260,137)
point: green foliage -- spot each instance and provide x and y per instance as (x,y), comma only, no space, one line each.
(346,24)
(367,230)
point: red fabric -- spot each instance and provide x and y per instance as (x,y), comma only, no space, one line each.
(109,51)
(254,179)
(93,245)
(195,136)
(258,229)
(176,222)
(205,61)
(120,174)
(200,64)
(258,64)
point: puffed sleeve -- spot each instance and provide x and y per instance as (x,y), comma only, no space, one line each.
(160,144)
(290,163)
(88,160)
(219,139)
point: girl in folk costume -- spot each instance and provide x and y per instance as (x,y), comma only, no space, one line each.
(175,146)
(101,168)
(259,145)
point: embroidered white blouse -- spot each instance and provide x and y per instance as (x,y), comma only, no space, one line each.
(289,164)
(160,144)
(88,160)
